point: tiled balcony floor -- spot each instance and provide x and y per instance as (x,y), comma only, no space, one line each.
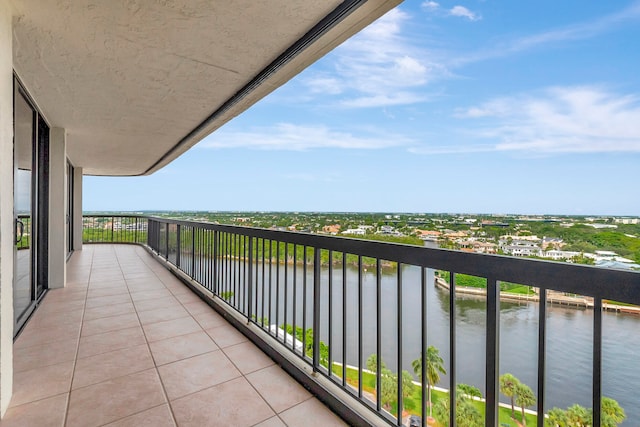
(127,344)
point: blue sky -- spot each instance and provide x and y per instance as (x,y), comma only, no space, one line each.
(478,106)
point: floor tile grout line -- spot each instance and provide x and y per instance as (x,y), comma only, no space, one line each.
(75,360)
(155,366)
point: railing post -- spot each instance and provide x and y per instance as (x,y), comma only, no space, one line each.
(113,218)
(542,353)
(597,360)
(316,308)
(492,368)
(250,281)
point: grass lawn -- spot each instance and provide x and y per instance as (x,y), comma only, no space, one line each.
(413,402)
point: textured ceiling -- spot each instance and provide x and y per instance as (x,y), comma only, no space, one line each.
(131,79)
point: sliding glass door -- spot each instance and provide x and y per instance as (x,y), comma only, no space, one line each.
(31,205)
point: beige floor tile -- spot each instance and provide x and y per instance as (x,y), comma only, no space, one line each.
(108,311)
(114,399)
(48,354)
(48,412)
(39,383)
(103,292)
(48,318)
(247,357)
(234,403)
(104,366)
(209,319)
(197,373)
(107,300)
(311,413)
(36,335)
(155,303)
(109,341)
(170,328)
(162,314)
(186,297)
(197,307)
(108,324)
(150,294)
(276,387)
(160,416)
(226,335)
(181,347)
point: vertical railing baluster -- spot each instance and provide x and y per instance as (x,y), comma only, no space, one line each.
(492,352)
(360,350)
(399,343)
(423,344)
(378,333)
(597,360)
(295,297)
(215,262)
(452,350)
(250,280)
(542,353)
(277,288)
(316,309)
(344,319)
(178,245)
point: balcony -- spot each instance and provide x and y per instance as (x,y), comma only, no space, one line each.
(132,345)
(203,341)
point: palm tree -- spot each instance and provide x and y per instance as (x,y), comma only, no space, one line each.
(524,398)
(466,413)
(612,410)
(435,367)
(508,384)
(556,418)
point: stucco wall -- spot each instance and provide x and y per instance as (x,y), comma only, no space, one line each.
(6,207)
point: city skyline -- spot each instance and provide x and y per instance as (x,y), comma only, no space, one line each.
(437,107)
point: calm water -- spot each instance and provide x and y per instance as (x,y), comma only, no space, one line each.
(569,334)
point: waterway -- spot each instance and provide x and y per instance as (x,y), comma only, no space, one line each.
(569,333)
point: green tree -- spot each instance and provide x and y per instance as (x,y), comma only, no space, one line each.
(612,412)
(524,398)
(508,385)
(407,385)
(468,390)
(556,418)
(578,416)
(466,413)
(388,387)
(372,364)
(435,367)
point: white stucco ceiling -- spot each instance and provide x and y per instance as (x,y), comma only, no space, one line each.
(130,80)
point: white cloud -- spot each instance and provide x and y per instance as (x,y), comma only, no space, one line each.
(583,119)
(430,5)
(291,137)
(378,67)
(463,12)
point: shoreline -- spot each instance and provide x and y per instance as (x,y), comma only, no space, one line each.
(554,298)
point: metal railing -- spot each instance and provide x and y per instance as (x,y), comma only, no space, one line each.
(320,296)
(114,229)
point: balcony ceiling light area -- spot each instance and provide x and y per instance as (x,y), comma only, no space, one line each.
(137,83)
